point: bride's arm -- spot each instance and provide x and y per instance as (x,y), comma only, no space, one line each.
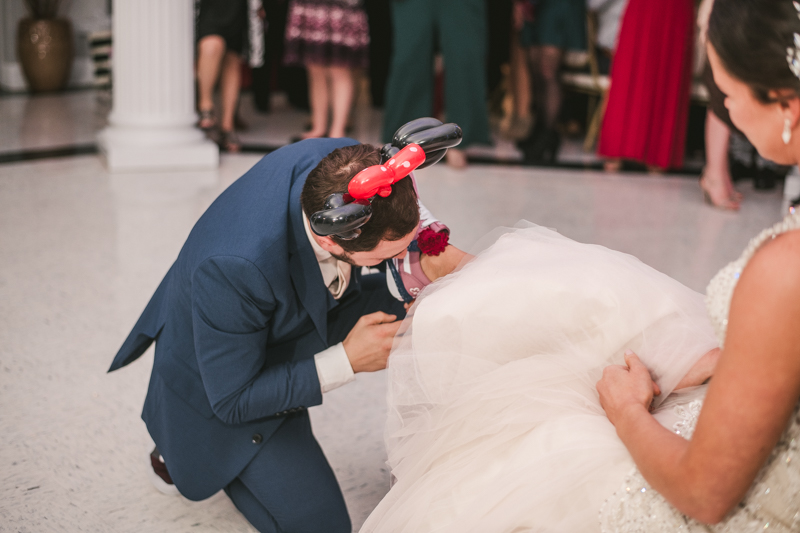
(702,370)
(755,388)
(437,266)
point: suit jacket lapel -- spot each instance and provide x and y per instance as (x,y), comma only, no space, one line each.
(304,269)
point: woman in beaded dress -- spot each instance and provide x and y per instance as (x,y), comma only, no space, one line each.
(495,419)
(739,470)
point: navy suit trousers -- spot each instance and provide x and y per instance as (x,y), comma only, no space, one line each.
(289,486)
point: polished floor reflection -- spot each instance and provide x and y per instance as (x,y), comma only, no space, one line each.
(82,250)
(48,122)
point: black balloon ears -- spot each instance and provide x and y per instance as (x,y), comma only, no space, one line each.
(430,134)
(341,217)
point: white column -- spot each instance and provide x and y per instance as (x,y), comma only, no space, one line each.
(152,123)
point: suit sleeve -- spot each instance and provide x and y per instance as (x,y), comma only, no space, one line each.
(232,306)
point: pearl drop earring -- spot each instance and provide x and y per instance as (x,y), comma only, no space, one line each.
(787,132)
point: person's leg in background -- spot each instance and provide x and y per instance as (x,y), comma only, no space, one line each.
(463,34)
(549,100)
(210,53)
(342,90)
(409,90)
(319,100)
(716,180)
(289,485)
(230,85)
(521,88)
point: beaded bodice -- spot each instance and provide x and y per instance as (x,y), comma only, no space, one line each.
(720,290)
(773,501)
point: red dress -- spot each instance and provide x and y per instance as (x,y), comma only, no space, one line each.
(648,102)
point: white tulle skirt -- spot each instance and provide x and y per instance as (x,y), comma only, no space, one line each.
(494,420)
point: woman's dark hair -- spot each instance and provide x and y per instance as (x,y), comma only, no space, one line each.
(393,217)
(751,37)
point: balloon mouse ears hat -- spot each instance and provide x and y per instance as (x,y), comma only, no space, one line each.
(416,145)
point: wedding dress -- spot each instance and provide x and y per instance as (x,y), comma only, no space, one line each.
(494,421)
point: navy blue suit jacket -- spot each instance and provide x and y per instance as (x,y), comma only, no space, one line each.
(237,321)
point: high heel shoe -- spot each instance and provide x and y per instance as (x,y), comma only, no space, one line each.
(722,201)
(206,120)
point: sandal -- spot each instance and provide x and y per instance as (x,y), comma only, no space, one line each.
(717,195)
(207,120)
(229,141)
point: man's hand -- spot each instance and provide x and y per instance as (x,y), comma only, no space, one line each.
(368,344)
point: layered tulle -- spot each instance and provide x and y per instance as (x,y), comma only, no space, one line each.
(494,419)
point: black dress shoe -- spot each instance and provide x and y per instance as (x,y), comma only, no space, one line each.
(159,476)
(543,150)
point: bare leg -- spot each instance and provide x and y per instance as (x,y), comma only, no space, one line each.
(230,84)
(716,181)
(456,158)
(319,100)
(342,90)
(612,165)
(210,51)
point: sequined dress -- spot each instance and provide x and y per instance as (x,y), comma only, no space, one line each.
(773,501)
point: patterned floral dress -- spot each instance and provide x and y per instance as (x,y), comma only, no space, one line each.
(331,33)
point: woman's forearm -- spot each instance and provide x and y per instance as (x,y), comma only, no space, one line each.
(702,370)
(663,459)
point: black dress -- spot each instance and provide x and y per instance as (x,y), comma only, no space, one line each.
(226,18)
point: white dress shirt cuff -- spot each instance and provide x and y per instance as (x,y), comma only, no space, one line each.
(333,368)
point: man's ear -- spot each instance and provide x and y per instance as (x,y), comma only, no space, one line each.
(329,245)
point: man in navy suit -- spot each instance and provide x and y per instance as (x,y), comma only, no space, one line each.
(255,320)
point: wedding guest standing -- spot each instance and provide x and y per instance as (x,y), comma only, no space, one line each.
(716,181)
(221,30)
(648,102)
(553,27)
(331,39)
(460,26)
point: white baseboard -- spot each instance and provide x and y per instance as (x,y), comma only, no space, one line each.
(11,77)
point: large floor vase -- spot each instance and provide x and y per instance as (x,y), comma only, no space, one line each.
(45,50)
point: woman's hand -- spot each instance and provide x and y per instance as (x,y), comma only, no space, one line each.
(626,387)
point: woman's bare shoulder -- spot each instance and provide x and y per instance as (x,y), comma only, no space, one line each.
(777,262)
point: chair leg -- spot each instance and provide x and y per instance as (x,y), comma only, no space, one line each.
(593,130)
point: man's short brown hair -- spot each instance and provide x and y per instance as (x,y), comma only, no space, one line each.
(393,217)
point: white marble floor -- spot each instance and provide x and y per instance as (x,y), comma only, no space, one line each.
(82,250)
